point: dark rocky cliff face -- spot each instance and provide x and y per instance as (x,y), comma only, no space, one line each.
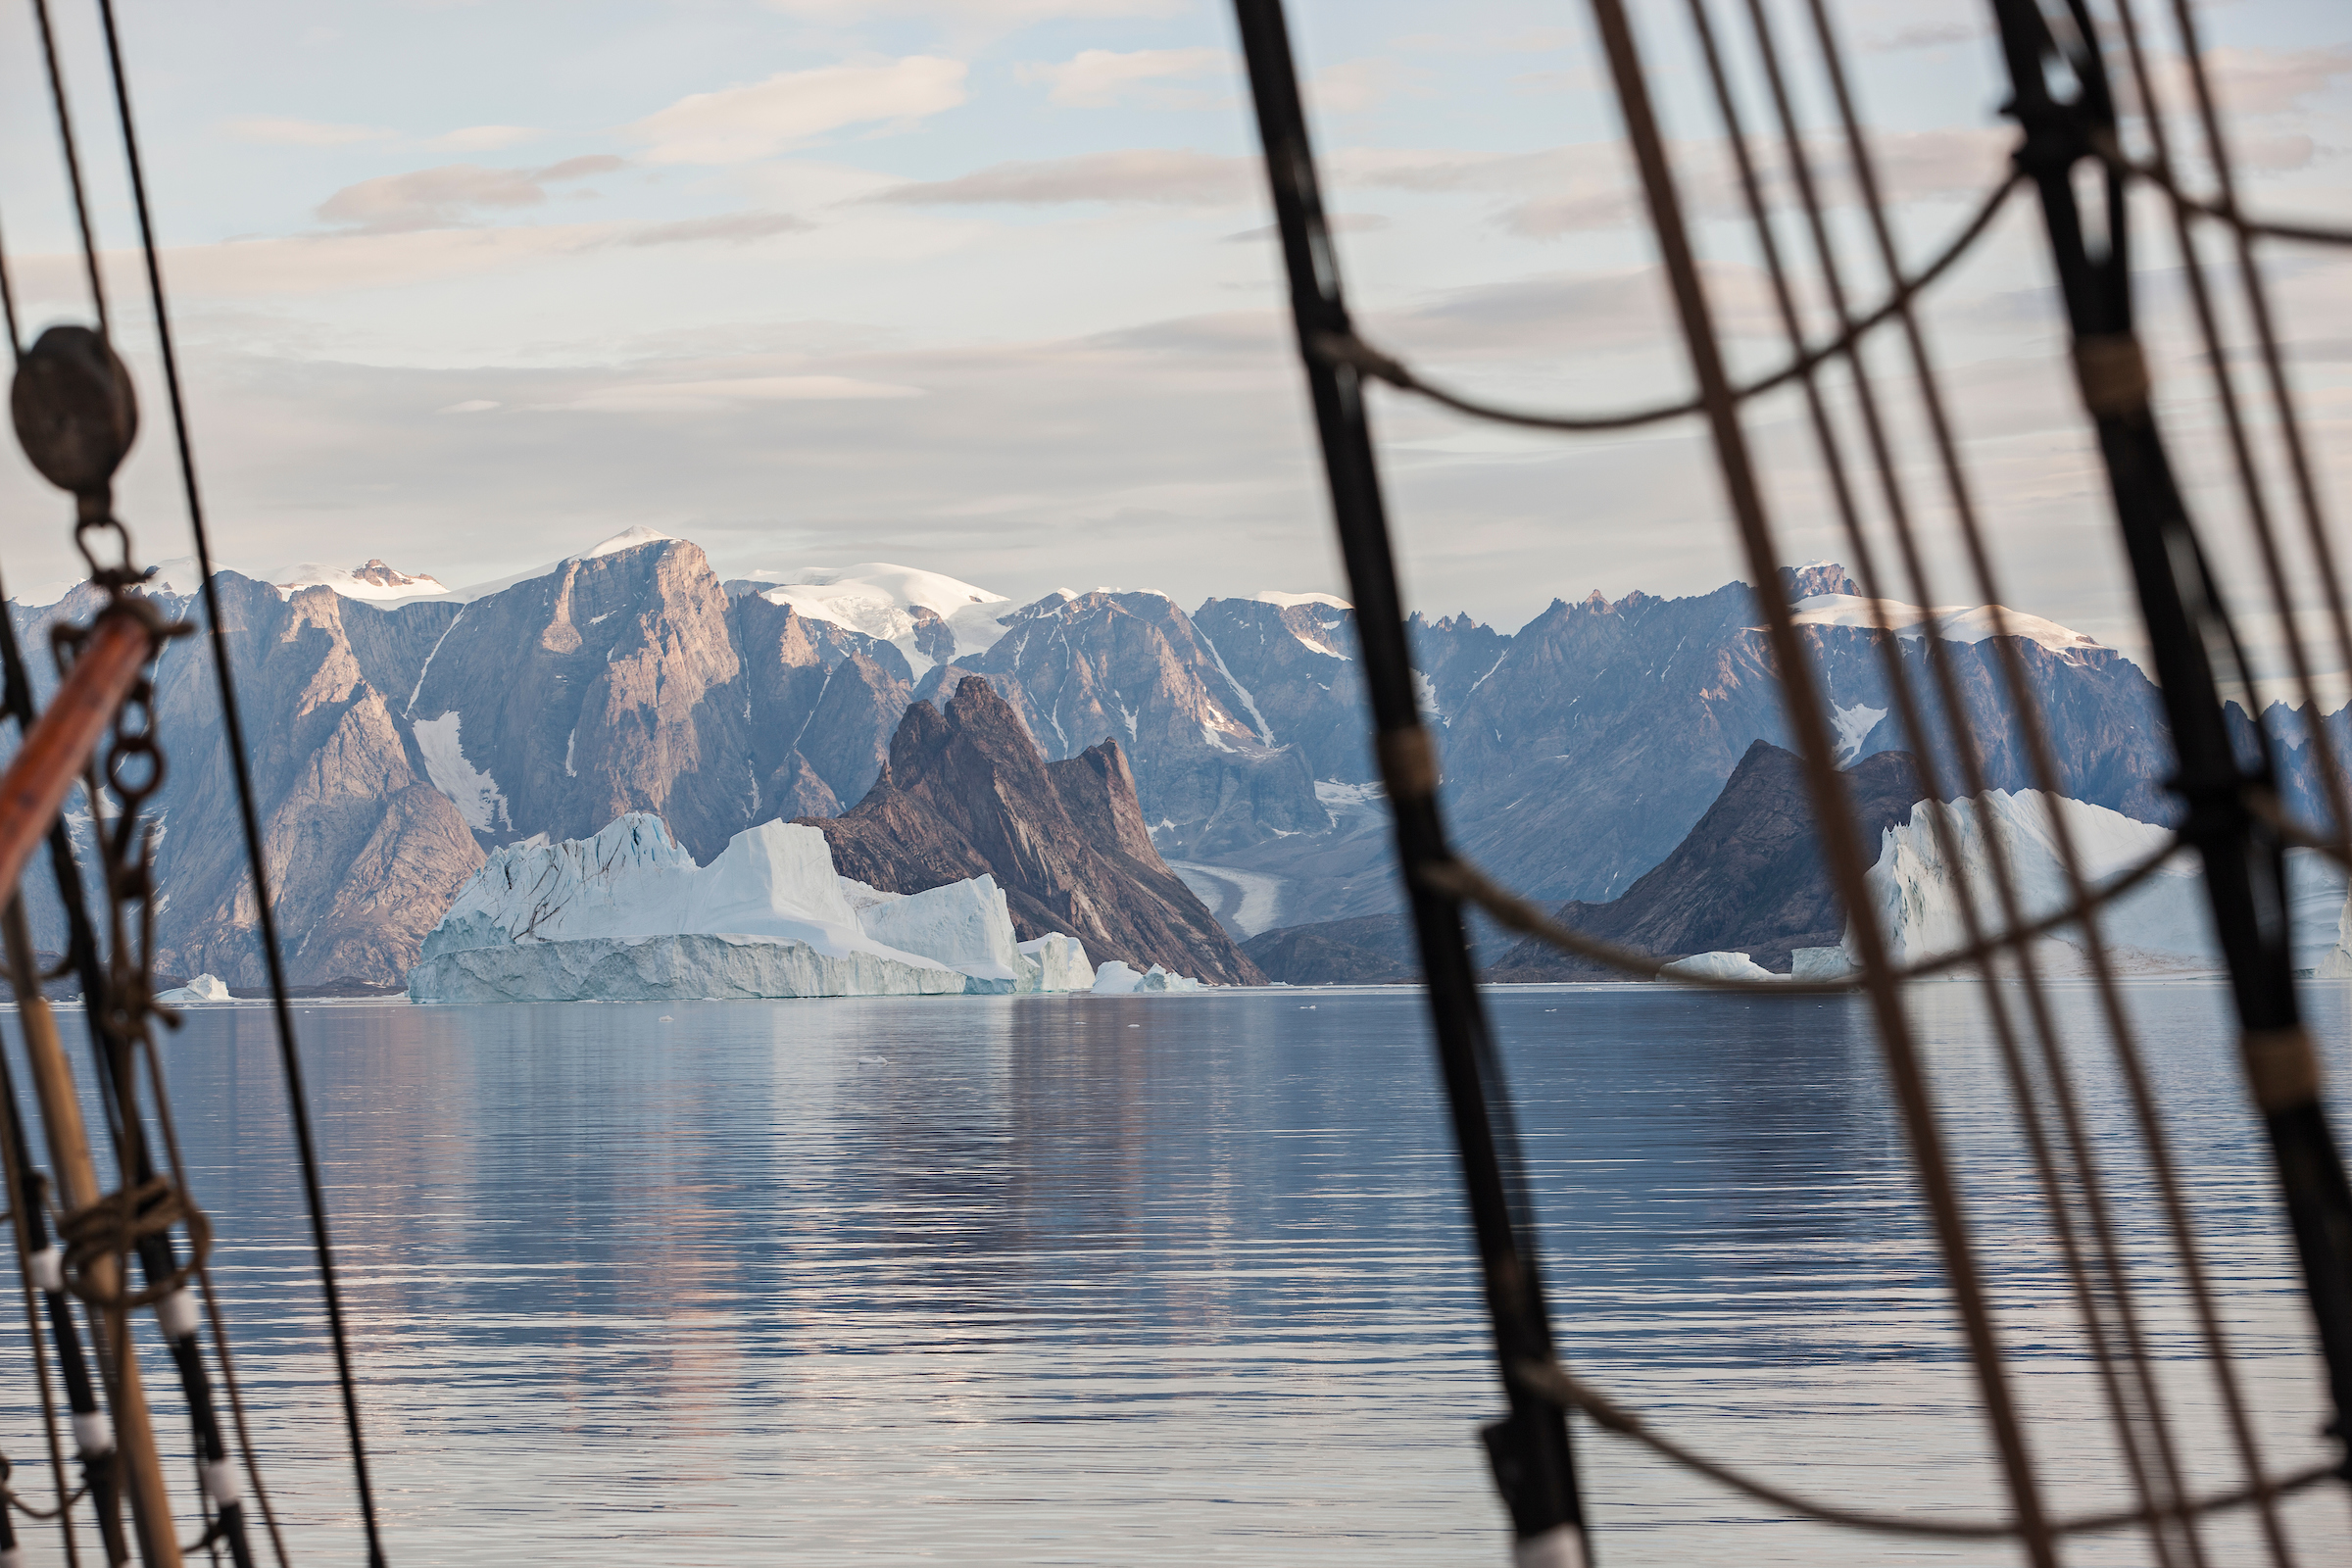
(967,793)
(1131,667)
(398,743)
(1748,878)
(363,852)
(822,703)
(609,685)
(1296,664)
(1607,729)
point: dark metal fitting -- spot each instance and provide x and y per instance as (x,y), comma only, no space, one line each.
(74,408)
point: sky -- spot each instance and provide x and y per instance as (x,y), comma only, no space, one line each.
(986,288)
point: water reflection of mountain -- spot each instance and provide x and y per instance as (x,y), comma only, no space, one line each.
(825,1279)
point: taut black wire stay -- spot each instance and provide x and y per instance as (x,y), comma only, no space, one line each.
(2235,818)
(233,734)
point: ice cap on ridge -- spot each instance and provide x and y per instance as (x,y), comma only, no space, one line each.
(879,597)
(1959,623)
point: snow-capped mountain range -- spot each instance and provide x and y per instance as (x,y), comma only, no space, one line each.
(402,729)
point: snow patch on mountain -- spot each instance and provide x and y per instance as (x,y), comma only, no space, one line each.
(631,538)
(474,792)
(628,913)
(879,599)
(1854,725)
(627,539)
(1957,623)
(1268,596)
(371,581)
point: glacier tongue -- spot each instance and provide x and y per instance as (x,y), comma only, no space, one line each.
(627,913)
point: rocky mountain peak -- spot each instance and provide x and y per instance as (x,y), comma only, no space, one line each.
(382,576)
(967,793)
(1128,665)
(1814,580)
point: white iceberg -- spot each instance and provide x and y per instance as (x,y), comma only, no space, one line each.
(1116,979)
(1060,963)
(1717,966)
(204,988)
(964,925)
(2162,925)
(629,915)
(1821,964)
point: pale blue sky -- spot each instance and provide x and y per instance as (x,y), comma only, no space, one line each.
(976,286)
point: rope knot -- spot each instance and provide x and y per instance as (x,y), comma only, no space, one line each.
(114,1227)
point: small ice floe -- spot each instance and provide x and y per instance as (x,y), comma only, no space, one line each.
(204,988)
(664,1018)
(1717,966)
(1115,979)
(873,1062)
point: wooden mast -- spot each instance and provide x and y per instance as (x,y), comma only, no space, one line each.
(142,1470)
(34,787)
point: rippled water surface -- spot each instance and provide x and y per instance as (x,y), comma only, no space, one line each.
(1160,1280)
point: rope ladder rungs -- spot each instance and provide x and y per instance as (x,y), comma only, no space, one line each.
(2156,174)
(1352,348)
(1554,1382)
(1461,880)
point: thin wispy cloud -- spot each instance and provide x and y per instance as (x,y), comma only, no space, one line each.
(270,130)
(487,138)
(739,228)
(1356,86)
(449,196)
(1098,78)
(699,397)
(741,125)
(1155,175)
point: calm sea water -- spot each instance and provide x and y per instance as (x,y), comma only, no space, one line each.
(1157,1280)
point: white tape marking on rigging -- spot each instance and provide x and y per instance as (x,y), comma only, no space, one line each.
(48,1266)
(1559,1548)
(93,1433)
(176,1314)
(220,1482)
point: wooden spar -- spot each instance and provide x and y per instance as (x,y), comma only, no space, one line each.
(33,790)
(77,1184)
(60,744)
(142,1471)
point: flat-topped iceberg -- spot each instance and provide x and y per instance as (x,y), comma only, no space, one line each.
(627,915)
(1717,966)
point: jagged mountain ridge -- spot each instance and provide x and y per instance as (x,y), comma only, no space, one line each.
(967,793)
(633,678)
(1748,877)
